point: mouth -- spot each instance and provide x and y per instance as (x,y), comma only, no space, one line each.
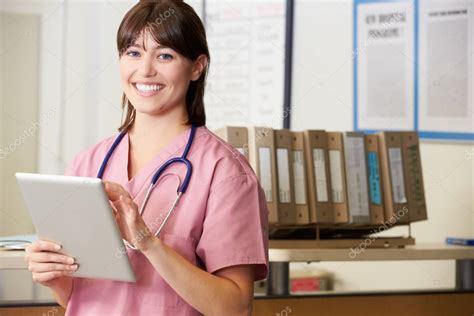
(148,89)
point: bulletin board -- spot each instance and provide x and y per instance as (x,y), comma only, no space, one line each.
(249,77)
(414,68)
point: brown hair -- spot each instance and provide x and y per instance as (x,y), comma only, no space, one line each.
(174,24)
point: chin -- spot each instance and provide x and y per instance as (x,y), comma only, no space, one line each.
(151,109)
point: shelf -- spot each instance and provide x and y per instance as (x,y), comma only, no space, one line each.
(12,260)
(15,259)
(414,252)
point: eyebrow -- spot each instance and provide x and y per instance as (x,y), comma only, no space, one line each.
(140,46)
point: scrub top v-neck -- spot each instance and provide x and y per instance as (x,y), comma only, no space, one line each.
(221,221)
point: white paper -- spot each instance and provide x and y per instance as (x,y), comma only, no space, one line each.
(385,54)
(283,165)
(356,173)
(336,176)
(396,172)
(319,163)
(247,43)
(446,72)
(265,168)
(299,177)
(241,150)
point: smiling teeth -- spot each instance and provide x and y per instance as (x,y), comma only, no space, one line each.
(145,88)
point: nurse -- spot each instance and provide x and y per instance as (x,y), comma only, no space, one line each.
(214,245)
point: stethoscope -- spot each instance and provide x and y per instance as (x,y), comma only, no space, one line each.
(181,189)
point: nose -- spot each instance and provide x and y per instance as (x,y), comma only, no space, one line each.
(147,68)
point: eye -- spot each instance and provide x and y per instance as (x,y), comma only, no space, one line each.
(165,57)
(133,53)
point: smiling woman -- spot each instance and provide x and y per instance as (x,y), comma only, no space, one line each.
(206,254)
(157,29)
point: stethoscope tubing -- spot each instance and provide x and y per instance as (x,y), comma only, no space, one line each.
(181,189)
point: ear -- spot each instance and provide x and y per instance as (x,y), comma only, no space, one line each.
(199,65)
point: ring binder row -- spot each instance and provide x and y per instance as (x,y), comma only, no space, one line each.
(340,178)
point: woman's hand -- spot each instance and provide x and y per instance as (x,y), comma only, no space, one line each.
(47,265)
(128,218)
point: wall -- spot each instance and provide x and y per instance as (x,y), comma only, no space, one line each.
(2,48)
(19,118)
(79,87)
(322,99)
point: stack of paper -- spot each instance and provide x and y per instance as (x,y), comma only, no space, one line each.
(16,242)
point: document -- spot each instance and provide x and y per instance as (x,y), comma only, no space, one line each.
(446,71)
(246,79)
(384,58)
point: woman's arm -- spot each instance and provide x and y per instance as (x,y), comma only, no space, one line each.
(51,268)
(62,291)
(228,291)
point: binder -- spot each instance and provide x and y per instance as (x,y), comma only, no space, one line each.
(261,149)
(338,177)
(300,178)
(236,137)
(413,177)
(286,203)
(393,182)
(319,183)
(356,177)
(374,180)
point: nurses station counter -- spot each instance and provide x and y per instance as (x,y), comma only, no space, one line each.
(20,296)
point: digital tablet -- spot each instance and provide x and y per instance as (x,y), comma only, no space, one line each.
(75,212)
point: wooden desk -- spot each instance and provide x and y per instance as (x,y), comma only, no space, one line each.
(281,253)
(435,303)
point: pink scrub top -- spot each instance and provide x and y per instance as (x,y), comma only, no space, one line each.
(221,221)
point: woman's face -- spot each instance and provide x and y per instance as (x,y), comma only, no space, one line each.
(156,80)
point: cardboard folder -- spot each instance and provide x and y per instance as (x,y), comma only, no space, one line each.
(338,177)
(235,136)
(286,203)
(300,178)
(374,179)
(413,176)
(262,159)
(319,182)
(356,177)
(393,178)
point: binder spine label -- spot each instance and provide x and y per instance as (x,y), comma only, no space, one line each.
(283,166)
(415,185)
(336,176)
(396,172)
(299,177)
(358,196)
(265,168)
(374,178)
(319,164)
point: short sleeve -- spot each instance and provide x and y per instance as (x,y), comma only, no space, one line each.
(235,228)
(71,169)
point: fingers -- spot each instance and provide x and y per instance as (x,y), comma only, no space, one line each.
(42,245)
(48,257)
(126,206)
(114,190)
(48,276)
(46,263)
(50,267)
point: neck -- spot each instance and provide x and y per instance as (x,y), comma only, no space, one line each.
(158,127)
